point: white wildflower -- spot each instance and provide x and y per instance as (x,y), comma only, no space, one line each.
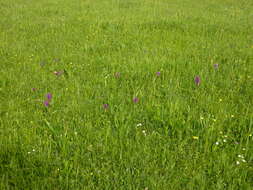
(240,156)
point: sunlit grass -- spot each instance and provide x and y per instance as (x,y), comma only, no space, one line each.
(115,94)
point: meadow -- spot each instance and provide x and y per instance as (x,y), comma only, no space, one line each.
(126,94)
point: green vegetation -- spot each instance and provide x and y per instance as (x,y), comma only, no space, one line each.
(126,111)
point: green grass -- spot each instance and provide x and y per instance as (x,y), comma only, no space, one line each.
(179,136)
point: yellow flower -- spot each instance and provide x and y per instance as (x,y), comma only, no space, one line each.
(195,137)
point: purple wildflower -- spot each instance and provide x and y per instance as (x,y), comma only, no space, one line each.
(158,73)
(49,96)
(216,66)
(135,100)
(105,106)
(34,89)
(46,103)
(197,80)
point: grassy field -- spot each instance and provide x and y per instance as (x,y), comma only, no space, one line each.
(126,94)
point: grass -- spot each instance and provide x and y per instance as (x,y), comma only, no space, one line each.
(178,135)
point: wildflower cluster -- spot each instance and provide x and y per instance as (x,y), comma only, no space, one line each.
(240,159)
(48,99)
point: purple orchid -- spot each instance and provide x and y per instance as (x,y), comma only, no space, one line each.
(105,106)
(135,100)
(49,96)
(197,80)
(46,103)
